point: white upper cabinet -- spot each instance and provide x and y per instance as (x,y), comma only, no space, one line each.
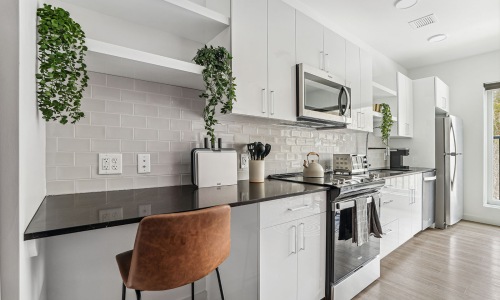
(249,50)
(366,96)
(353,81)
(263,49)
(281,61)
(334,54)
(442,96)
(405,106)
(309,41)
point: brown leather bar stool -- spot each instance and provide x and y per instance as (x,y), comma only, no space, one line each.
(173,250)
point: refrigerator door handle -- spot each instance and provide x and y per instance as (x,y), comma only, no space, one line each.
(452,131)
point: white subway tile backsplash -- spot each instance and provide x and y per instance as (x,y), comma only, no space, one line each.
(105,145)
(146,110)
(120,133)
(105,93)
(120,107)
(130,116)
(145,134)
(105,119)
(86,131)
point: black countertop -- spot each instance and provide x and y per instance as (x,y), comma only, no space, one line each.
(405,172)
(63,214)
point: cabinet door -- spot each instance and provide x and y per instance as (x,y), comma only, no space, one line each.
(403,124)
(278,262)
(366,95)
(311,247)
(353,80)
(442,95)
(416,213)
(335,60)
(281,61)
(389,241)
(249,50)
(309,41)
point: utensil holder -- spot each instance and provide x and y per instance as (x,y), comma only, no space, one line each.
(257,168)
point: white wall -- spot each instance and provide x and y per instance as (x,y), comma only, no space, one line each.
(465,78)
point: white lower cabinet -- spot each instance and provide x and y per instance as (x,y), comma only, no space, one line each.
(401,211)
(293,254)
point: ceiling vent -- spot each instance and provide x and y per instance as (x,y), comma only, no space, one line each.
(422,22)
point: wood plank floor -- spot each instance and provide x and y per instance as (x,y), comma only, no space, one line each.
(462,262)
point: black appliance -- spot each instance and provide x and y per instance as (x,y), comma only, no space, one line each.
(397,158)
(344,258)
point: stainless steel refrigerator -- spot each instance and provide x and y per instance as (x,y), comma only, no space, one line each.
(449,171)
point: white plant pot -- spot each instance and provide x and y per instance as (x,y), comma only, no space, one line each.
(257,168)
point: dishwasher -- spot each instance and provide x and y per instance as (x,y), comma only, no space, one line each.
(428,198)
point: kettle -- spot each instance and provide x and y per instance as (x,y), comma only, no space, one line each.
(312,168)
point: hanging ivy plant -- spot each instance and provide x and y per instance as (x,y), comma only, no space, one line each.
(62,73)
(219,84)
(387,122)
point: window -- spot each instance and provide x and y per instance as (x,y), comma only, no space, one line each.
(493,143)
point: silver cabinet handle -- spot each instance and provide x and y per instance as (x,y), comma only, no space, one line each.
(430,178)
(299,207)
(387,202)
(272,102)
(264,100)
(293,240)
(321,60)
(388,232)
(326,63)
(302,237)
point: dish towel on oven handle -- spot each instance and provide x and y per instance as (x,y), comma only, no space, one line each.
(373,216)
(360,221)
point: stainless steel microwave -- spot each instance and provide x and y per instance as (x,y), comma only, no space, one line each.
(322,98)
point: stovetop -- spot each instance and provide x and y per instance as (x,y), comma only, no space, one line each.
(345,183)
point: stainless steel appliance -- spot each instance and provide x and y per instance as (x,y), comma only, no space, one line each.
(397,158)
(350,268)
(350,163)
(449,166)
(428,198)
(323,99)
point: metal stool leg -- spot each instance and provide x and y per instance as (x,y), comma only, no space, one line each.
(192,290)
(124,293)
(138,294)
(220,284)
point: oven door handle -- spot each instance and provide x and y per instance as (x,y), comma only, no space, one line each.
(351,203)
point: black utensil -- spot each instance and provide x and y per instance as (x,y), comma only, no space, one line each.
(267,151)
(259,150)
(251,149)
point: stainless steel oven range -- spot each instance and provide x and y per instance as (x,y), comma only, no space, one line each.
(350,266)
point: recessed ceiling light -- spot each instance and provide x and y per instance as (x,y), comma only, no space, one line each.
(404,4)
(437,38)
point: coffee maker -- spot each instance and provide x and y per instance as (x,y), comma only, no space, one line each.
(397,158)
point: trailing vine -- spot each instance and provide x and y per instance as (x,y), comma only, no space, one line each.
(62,73)
(387,122)
(219,84)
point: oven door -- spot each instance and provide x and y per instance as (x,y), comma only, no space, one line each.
(347,256)
(322,96)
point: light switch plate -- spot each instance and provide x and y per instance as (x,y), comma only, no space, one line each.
(244,160)
(110,163)
(143,163)
(144,210)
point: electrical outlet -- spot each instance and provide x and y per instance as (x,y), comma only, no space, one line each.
(111,214)
(143,163)
(110,163)
(144,210)
(244,159)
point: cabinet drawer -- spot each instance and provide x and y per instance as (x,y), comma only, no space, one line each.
(287,209)
(390,240)
(388,208)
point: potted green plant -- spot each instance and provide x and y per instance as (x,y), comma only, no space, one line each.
(219,84)
(387,122)
(62,73)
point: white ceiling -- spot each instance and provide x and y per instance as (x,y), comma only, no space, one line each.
(472,26)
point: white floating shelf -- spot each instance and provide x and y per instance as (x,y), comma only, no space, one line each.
(122,61)
(378,117)
(180,17)
(380,91)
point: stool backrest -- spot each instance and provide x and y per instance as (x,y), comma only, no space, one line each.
(173,250)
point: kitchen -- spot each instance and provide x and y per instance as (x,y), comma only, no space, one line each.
(63,220)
